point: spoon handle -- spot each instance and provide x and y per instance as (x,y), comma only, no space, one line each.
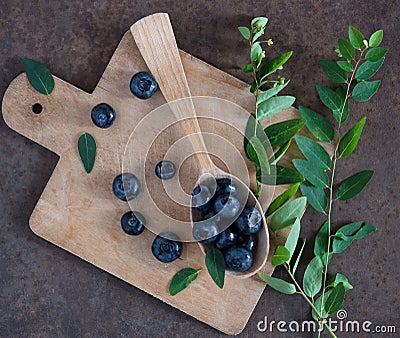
(156,42)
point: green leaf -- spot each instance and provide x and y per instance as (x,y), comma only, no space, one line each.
(273,106)
(87,151)
(339,278)
(356,38)
(181,280)
(349,233)
(350,140)
(39,76)
(318,125)
(346,49)
(321,240)
(345,65)
(313,174)
(282,132)
(245,32)
(333,71)
(368,69)
(258,154)
(376,38)
(248,68)
(278,284)
(257,35)
(274,64)
(296,264)
(293,237)
(318,305)
(255,51)
(363,91)
(315,196)
(283,175)
(375,54)
(342,114)
(282,199)
(335,299)
(353,185)
(215,263)
(280,152)
(286,215)
(270,93)
(313,152)
(281,256)
(329,98)
(260,20)
(312,279)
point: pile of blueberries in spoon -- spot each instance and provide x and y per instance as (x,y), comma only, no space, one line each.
(225,223)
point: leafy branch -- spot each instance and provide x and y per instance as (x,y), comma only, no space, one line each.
(360,60)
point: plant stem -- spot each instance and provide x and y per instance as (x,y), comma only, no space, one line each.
(334,160)
(302,292)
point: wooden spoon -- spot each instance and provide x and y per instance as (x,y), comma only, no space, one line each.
(156,42)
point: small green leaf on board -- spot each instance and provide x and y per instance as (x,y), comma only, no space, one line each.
(87,151)
(39,76)
(182,280)
(215,263)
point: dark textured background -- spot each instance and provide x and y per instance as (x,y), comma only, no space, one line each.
(47,292)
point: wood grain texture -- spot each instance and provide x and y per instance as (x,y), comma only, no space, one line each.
(79,213)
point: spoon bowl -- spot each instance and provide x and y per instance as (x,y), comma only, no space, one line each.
(156,42)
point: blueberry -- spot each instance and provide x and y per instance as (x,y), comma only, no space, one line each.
(201,195)
(238,259)
(143,85)
(165,170)
(103,115)
(205,232)
(210,214)
(126,186)
(166,250)
(225,186)
(133,223)
(226,206)
(248,242)
(249,221)
(226,239)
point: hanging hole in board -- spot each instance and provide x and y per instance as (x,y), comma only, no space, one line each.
(37,108)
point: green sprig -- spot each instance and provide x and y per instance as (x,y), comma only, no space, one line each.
(360,60)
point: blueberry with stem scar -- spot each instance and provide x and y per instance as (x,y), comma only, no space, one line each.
(103,115)
(143,85)
(126,186)
(238,259)
(165,170)
(133,223)
(166,249)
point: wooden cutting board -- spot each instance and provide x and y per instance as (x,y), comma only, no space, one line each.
(79,213)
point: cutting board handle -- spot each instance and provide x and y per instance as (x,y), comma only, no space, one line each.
(155,39)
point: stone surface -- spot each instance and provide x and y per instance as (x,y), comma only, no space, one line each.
(47,292)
